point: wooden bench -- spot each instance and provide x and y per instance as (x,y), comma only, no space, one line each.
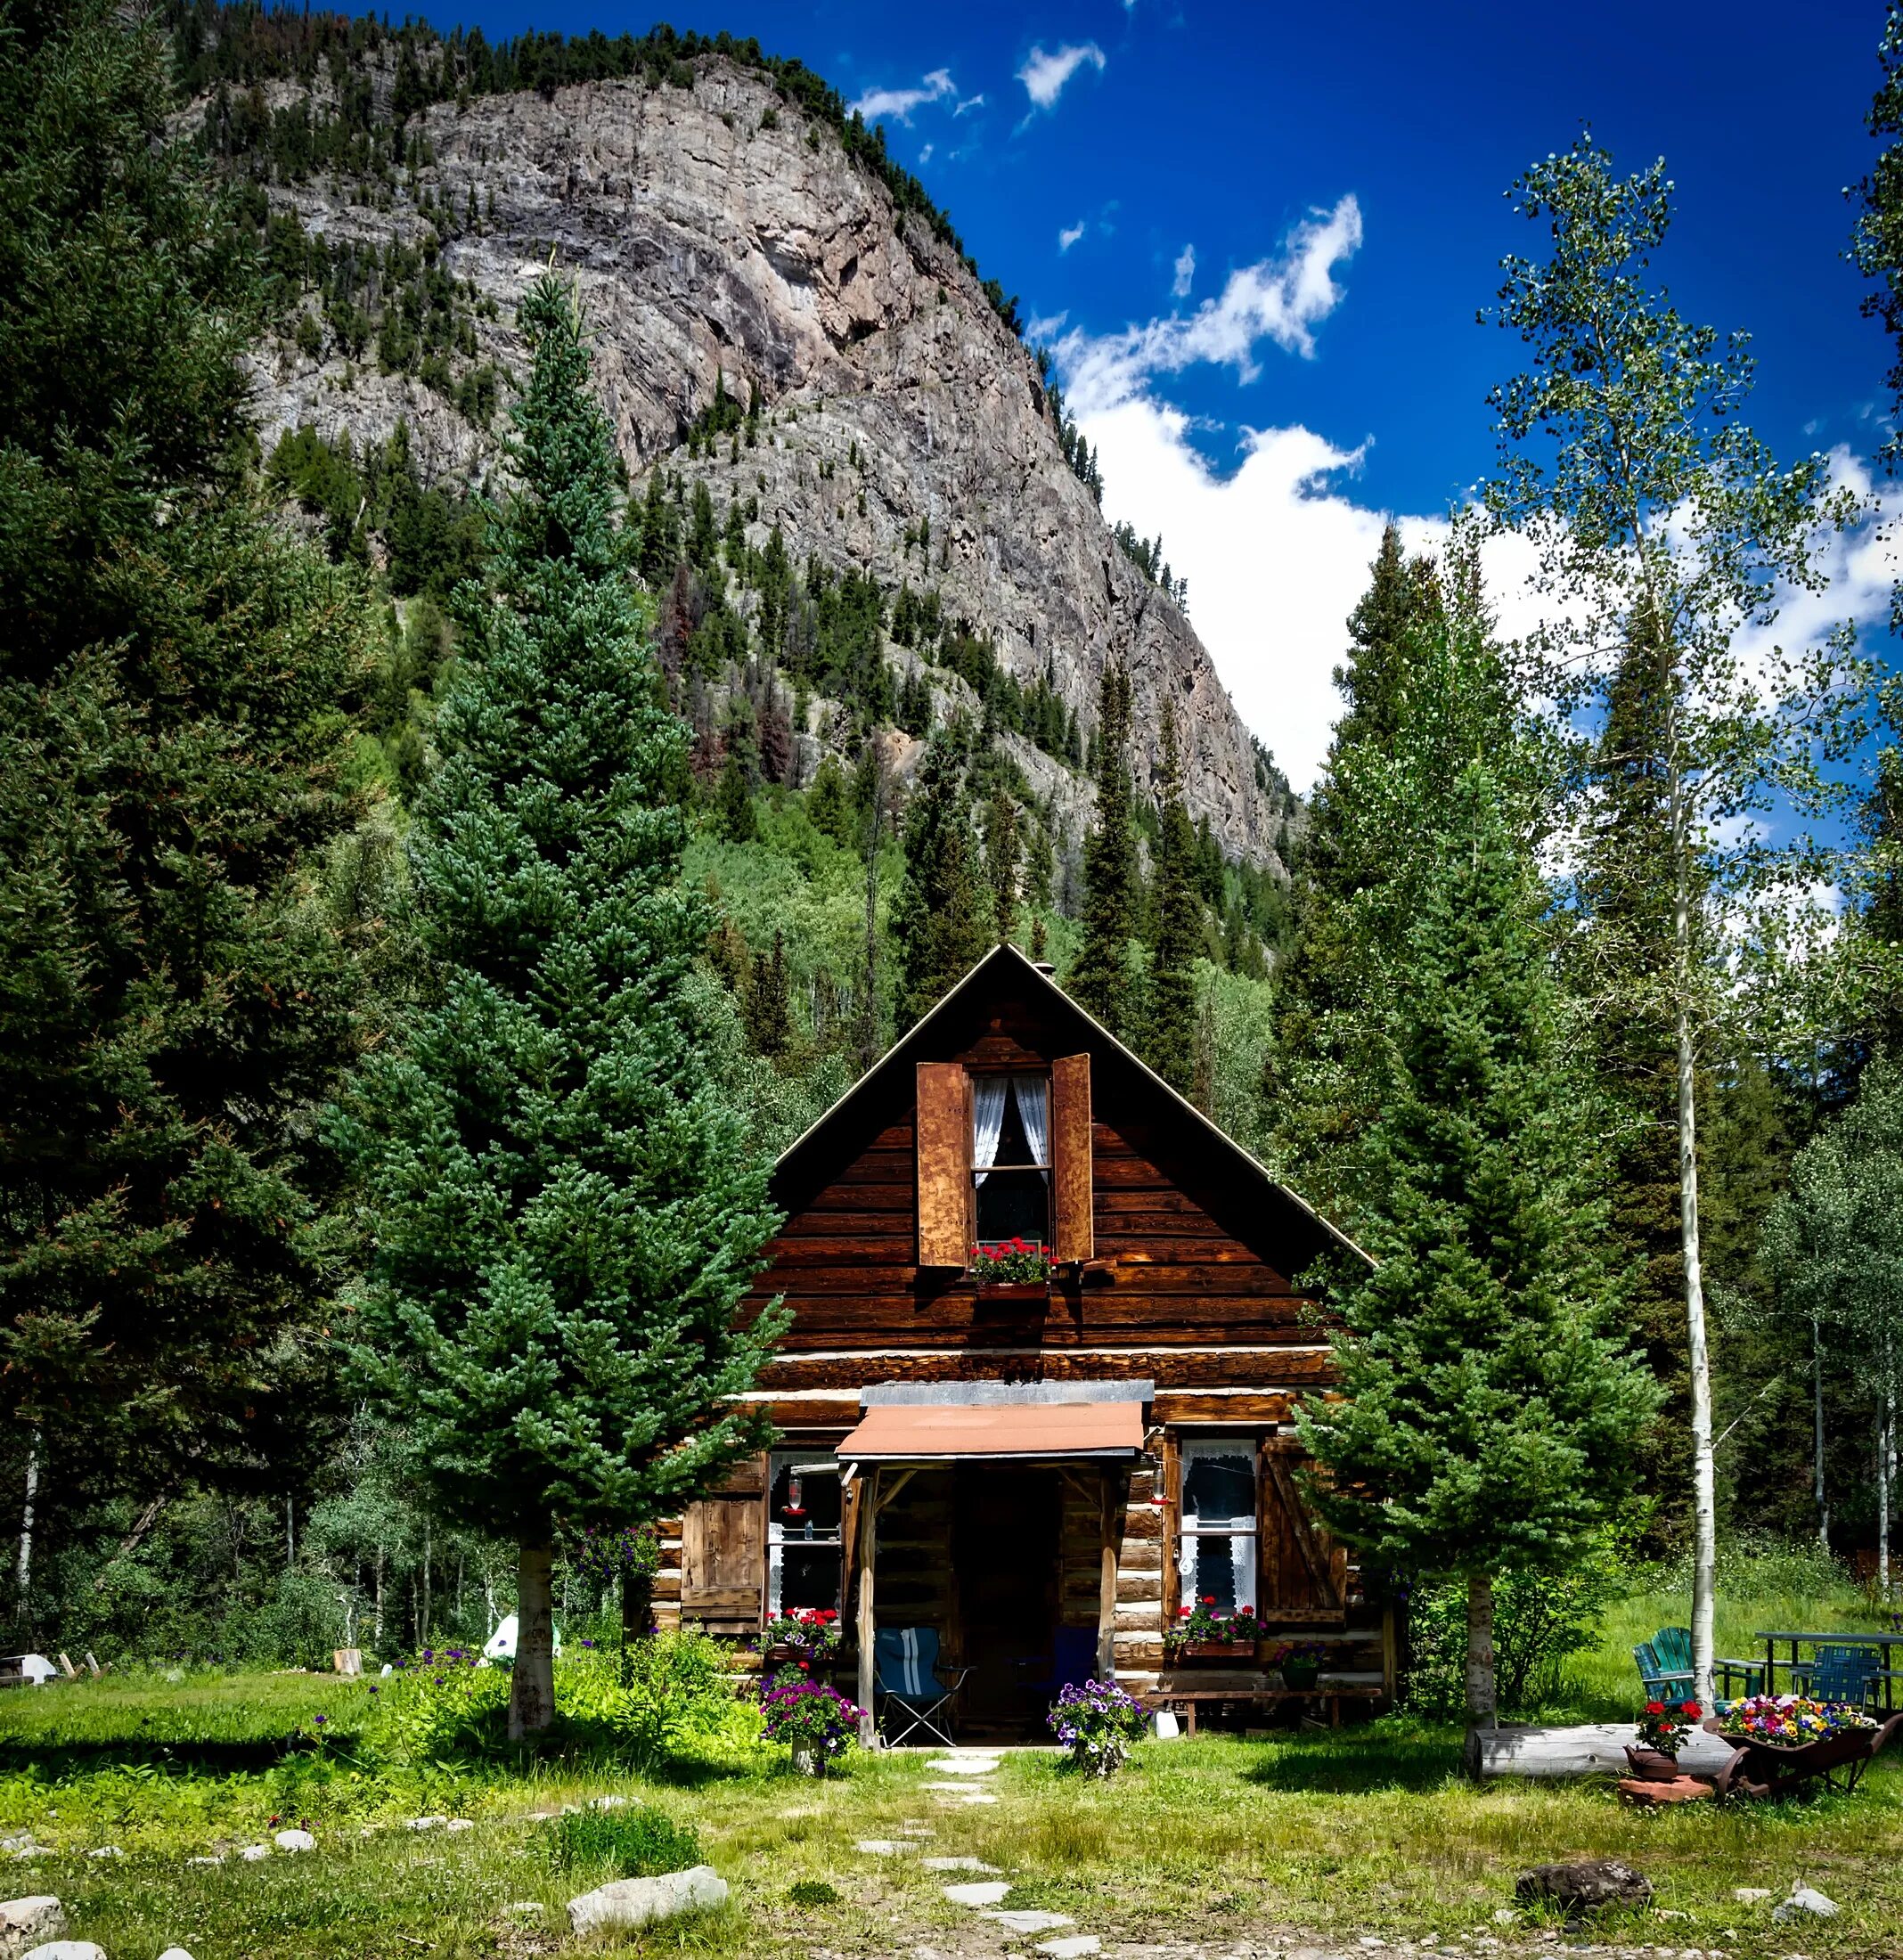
(1170,1699)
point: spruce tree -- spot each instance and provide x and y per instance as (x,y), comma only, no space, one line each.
(1382,800)
(1169,1044)
(1487,1399)
(768,1005)
(567,1213)
(1101,979)
(178,680)
(1002,853)
(660,535)
(942,919)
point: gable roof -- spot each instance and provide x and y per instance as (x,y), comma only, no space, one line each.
(890,1081)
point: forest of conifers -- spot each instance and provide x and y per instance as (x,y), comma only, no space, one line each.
(222,673)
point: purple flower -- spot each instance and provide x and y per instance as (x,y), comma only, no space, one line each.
(320,1718)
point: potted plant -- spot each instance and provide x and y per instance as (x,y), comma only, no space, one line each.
(1300,1663)
(1206,1632)
(808,1635)
(1662,1732)
(816,1722)
(1012,1269)
(1096,1722)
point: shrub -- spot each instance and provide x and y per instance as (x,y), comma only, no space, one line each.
(1539,1620)
(676,1699)
(443,1703)
(1097,1723)
(634,1843)
(813,1891)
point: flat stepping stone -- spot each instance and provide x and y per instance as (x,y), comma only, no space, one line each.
(956,1865)
(969,1797)
(991,1891)
(962,1766)
(913,1827)
(1074,1947)
(883,1847)
(1030,1921)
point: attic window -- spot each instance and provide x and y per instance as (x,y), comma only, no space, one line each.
(1010,1156)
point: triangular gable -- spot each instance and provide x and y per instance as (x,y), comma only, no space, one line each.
(807,1163)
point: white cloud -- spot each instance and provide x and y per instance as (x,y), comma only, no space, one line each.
(1070,233)
(877,103)
(924,156)
(1283,298)
(1185,273)
(968,105)
(1044,75)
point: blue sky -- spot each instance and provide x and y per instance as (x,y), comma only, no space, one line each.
(1336,174)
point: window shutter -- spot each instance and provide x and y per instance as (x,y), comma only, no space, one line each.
(942,1146)
(1074,1235)
(723,1548)
(1304,1572)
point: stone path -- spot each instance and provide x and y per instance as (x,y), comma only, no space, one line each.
(986,1897)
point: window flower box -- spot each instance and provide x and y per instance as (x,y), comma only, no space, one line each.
(1012,1269)
(1204,1632)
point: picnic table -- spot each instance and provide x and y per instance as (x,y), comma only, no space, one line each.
(1888,1674)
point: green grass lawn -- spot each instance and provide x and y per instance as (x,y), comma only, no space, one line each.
(1370,1830)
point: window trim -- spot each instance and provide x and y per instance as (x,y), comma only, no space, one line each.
(1188,1446)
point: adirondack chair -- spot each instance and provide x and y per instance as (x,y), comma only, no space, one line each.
(1845,1674)
(1665,1667)
(1665,1664)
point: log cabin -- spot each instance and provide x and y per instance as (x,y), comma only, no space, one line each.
(1044,1474)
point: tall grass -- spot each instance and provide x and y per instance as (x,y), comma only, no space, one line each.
(1764,1584)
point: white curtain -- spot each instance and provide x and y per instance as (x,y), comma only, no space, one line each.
(1033,1111)
(987,1104)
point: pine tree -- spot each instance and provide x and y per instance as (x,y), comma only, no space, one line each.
(1169,1043)
(1487,1400)
(566,1212)
(660,536)
(828,808)
(178,680)
(1100,979)
(768,1006)
(941,922)
(1003,855)
(1444,681)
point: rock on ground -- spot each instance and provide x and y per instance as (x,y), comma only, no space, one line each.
(67,1949)
(1804,1902)
(641,1901)
(1585,1887)
(175,1953)
(26,1921)
(295,1841)
(988,1892)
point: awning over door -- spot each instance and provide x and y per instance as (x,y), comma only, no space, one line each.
(990,1433)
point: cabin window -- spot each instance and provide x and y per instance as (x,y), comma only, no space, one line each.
(1010,1156)
(802,1533)
(1216,1556)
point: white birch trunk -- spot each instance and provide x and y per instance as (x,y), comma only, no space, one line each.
(1817,1423)
(1704,1481)
(532,1688)
(1883,1493)
(1482,1710)
(1889,1443)
(23,1571)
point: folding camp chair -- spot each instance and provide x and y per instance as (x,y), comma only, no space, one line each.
(908,1677)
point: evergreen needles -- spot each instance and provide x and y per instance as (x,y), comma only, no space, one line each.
(566,1213)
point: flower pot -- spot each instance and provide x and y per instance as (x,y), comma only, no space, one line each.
(1232,1650)
(1014,1289)
(1653,1765)
(1300,1676)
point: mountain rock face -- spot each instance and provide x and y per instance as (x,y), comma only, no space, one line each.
(716,235)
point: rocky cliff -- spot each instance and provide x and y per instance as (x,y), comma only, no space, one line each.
(722,237)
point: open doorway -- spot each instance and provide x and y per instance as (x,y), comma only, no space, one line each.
(1005,1537)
